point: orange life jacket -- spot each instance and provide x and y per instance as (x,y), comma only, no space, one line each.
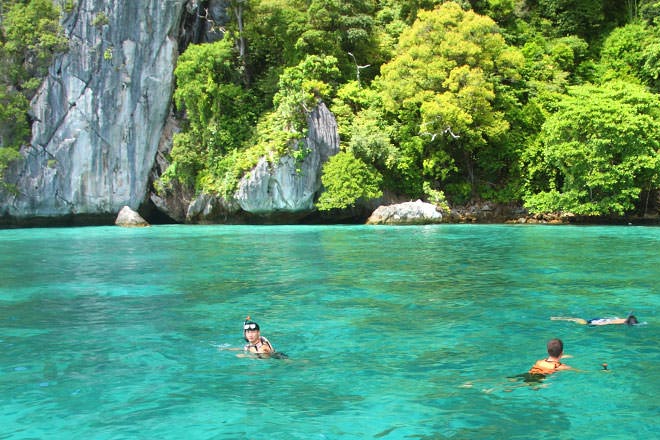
(542,367)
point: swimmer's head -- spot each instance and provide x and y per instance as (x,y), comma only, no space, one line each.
(249,325)
(555,347)
(631,320)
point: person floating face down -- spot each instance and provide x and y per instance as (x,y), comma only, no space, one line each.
(256,343)
(630,320)
(552,363)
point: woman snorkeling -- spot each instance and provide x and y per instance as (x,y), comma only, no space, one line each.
(256,343)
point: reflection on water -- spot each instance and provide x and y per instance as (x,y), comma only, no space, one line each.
(414,332)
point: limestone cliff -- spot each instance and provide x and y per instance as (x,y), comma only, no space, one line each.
(287,186)
(272,192)
(98,116)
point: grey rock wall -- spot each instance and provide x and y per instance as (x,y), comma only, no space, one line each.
(271,192)
(290,186)
(99,115)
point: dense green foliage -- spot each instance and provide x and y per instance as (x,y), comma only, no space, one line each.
(224,137)
(29,37)
(220,112)
(443,81)
(598,153)
(348,179)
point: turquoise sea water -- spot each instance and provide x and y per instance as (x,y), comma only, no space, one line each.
(392,333)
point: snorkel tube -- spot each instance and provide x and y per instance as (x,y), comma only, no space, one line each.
(247,319)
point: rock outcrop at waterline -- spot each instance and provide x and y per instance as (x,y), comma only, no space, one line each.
(129,218)
(289,186)
(407,213)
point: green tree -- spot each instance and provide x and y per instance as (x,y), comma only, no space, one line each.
(649,10)
(442,86)
(346,180)
(302,87)
(551,64)
(632,53)
(14,127)
(271,30)
(31,37)
(220,111)
(597,153)
(408,9)
(346,30)
(623,50)
(587,19)
(371,139)
(650,72)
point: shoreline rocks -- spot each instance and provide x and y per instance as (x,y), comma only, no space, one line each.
(129,218)
(407,213)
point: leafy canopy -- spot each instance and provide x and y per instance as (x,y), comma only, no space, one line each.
(347,179)
(227,130)
(442,86)
(220,113)
(597,152)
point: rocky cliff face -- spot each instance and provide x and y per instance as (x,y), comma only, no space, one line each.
(290,186)
(283,191)
(98,116)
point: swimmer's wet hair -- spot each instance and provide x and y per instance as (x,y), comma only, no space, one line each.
(631,320)
(555,347)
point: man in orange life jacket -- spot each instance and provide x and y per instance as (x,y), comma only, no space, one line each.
(552,363)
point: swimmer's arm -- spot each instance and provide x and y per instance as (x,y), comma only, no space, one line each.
(565,318)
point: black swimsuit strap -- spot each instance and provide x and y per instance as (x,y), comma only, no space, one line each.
(557,363)
(261,343)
